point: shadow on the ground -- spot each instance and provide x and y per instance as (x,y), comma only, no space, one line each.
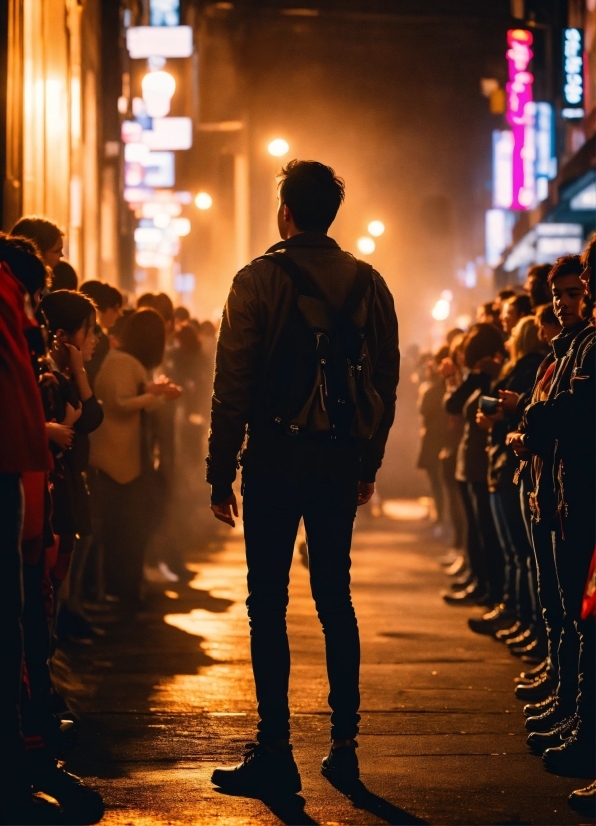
(363,798)
(289,808)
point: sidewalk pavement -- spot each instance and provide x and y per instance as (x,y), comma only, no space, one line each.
(166,699)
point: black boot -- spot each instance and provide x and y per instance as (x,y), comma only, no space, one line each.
(261,772)
(584,800)
(540,689)
(532,674)
(79,803)
(341,765)
(540,741)
(548,719)
(576,757)
(535,709)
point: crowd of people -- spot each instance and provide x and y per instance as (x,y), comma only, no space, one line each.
(97,396)
(507,409)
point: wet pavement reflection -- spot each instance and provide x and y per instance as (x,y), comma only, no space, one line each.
(168,697)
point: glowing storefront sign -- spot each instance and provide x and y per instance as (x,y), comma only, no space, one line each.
(573,69)
(159,41)
(502,168)
(521,118)
(498,225)
(169,133)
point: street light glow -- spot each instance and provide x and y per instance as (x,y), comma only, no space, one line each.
(366,245)
(204,200)
(376,228)
(278,148)
(181,226)
(441,310)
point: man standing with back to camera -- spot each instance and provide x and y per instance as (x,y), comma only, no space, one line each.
(306,371)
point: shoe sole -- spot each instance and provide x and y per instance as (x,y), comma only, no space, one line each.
(340,781)
(254,790)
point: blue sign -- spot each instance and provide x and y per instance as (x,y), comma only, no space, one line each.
(165,12)
(573,73)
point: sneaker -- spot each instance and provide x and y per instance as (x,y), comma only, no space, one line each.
(341,765)
(261,772)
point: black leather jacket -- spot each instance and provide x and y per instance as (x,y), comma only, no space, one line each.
(561,429)
(258,303)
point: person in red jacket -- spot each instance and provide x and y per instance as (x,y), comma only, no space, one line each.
(23,449)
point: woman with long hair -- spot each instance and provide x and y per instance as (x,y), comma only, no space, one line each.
(126,390)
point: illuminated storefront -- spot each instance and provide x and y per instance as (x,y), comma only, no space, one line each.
(51,122)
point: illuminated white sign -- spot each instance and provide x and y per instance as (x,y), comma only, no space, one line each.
(159,169)
(169,133)
(159,41)
(498,224)
(502,168)
(573,69)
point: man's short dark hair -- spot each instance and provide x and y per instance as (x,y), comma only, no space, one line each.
(104,295)
(522,304)
(313,193)
(566,265)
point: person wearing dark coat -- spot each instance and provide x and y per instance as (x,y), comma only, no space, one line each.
(559,432)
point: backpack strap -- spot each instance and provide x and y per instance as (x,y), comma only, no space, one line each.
(359,288)
(302,281)
(306,286)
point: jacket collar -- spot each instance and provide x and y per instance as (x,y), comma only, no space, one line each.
(306,239)
(562,342)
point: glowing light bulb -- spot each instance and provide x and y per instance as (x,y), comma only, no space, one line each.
(366,245)
(278,147)
(204,200)
(376,228)
(158,89)
(441,310)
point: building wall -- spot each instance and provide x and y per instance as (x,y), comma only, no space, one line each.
(51,121)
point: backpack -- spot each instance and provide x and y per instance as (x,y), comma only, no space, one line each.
(319,376)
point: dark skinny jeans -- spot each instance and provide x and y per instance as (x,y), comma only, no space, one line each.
(275,499)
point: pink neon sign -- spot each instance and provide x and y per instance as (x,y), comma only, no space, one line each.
(521,117)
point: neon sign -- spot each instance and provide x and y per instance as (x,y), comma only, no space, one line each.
(573,68)
(520,116)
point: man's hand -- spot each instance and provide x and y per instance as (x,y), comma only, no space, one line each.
(365,492)
(229,506)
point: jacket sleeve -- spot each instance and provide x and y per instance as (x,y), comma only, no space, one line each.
(568,412)
(385,380)
(236,362)
(91,416)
